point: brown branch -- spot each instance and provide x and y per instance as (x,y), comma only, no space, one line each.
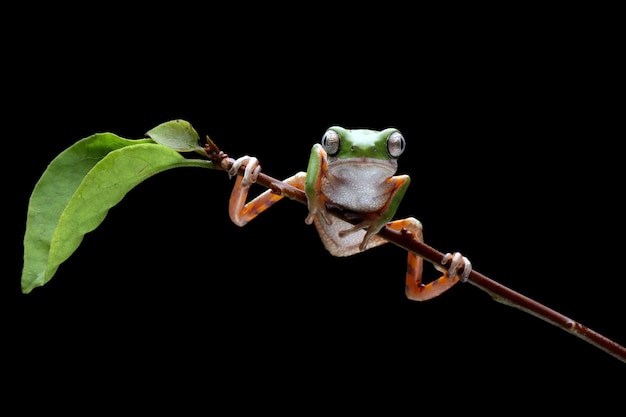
(497,291)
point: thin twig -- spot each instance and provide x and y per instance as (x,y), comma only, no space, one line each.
(497,291)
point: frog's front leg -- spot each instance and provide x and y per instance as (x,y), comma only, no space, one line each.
(240,212)
(415,289)
(317,170)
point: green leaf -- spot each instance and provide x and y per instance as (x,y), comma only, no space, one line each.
(76,192)
(178,135)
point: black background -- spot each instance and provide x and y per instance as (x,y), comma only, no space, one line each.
(513,163)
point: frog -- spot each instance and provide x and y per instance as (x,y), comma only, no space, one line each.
(352,171)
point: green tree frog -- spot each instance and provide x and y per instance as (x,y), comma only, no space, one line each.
(352,170)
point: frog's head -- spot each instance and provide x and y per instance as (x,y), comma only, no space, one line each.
(342,143)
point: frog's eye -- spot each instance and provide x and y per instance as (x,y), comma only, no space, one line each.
(330,142)
(395,144)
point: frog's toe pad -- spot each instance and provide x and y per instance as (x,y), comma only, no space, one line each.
(251,172)
(459,262)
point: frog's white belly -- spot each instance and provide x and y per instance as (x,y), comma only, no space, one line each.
(359,185)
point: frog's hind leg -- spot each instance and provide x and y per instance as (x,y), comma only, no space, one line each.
(415,289)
